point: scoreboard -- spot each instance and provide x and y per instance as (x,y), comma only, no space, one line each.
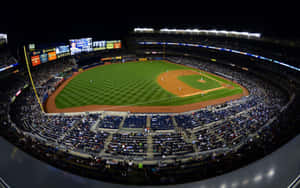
(106,45)
(75,46)
(80,45)
(42,56)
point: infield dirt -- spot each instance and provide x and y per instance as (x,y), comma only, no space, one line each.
(170,82)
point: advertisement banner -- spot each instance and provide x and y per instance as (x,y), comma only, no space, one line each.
(35,60)
(62,49)
(34,53)
(106,58)
(109,45)
(48,50)
(63,55)
(117,45)
(99,45)
(52,56)
(44,58)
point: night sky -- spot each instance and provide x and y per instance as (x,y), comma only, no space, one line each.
(106,22)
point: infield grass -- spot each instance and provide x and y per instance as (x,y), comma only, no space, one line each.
(193,80)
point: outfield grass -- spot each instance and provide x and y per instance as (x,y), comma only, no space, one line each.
(132,84)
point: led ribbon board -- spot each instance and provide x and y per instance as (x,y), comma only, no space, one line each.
(222,49)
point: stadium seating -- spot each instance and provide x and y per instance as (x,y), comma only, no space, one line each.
(170,144)
(108,139)
(110,122)
(161,122)
(135,122)
(128,144)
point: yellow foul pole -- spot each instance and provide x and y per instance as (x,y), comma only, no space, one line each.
(33,86)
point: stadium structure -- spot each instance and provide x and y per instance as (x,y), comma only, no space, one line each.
(163,106)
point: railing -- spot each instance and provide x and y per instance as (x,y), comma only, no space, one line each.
(295,182)
(3,184)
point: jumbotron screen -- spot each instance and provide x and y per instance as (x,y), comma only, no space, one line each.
(81,45)
(62,51)
(43,55)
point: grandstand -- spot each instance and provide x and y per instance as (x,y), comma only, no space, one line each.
(154,147)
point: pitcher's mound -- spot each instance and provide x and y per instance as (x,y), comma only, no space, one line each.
(201,81)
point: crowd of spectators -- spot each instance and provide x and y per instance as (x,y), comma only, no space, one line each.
(110,122)
(165,144)
(220,127)
(129,144)
(271,49)
(134,121)
(161,122)
(81,139)
(210,128)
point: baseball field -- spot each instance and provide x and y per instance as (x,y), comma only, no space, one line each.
(147,86)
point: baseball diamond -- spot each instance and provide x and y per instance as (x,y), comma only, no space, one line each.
(146,86)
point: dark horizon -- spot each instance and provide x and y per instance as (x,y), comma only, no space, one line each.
(269,25)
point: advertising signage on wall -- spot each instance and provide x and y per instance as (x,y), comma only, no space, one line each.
(99,45)
(109,45)
(42,55)
(115,44)
(51,56)
(62,51)
(44,58)
(35,60)
(46,55)
(48,50)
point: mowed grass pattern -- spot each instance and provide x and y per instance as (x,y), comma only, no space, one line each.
(116,84)
(126,84)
